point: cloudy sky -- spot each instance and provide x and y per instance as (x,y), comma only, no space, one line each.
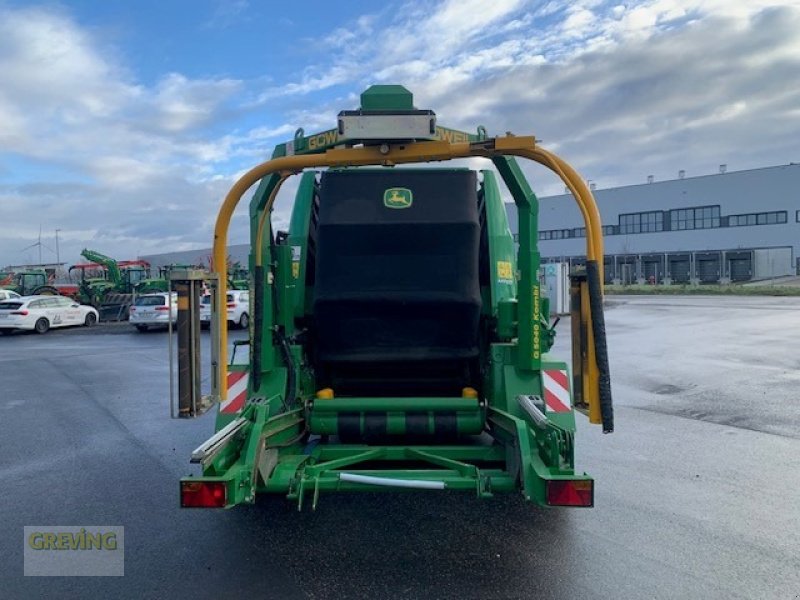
(124,123)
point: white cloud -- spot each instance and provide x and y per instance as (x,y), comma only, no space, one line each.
(182,104)
(666,84)
(148,166)
(227,14)
(621,90)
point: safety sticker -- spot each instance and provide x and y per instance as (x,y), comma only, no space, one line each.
(504,272)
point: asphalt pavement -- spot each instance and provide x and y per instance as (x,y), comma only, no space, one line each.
(697,491)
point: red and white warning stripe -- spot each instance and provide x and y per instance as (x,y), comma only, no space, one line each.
(237,392)
(556,390)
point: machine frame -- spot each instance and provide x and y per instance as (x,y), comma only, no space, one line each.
(261,447)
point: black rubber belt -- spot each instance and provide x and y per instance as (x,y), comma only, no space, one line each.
(445,423)
(417,423)
(375,424)
(600,347)
(349,424)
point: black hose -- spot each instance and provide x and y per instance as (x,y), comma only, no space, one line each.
(600,347)
(286,352)
(291,370)
(258,322)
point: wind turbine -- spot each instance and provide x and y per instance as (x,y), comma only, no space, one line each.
(39,244)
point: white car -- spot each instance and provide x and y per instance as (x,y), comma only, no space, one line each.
(9,295)
(40,313)
(151,310)
(238,309)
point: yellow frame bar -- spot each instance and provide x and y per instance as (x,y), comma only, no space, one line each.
(429,151)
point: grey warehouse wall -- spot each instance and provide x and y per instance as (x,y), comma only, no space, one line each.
(740,192)
(238,253)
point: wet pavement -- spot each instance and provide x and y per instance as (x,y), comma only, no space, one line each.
(696,491)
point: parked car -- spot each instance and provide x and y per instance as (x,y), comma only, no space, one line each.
(9,295)
(238,309)
(151,310)
(40,313)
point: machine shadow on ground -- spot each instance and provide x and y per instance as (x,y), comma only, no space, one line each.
(411,544)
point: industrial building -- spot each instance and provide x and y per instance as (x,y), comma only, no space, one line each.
(236,253)
(729,226)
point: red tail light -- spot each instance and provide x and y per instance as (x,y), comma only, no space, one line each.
(231,304)
(162,307)
(24,313)
(132,309)
(566,492)
(203,494)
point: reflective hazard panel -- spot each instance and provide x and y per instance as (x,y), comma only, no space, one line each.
(556,390)
(237,392)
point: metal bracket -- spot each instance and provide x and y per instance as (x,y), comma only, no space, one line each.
(206,451)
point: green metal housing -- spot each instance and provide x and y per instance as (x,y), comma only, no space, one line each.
(285,434)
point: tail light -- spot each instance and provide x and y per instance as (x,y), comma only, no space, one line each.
(132,309)
(231,304)
(24,313)
(162,307)
(203,494)
(570,492)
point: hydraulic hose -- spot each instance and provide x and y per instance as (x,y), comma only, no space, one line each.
(286,351)
(291,370)
(258,322)
(258,288)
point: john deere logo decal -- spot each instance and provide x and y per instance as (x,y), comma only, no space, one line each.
(397,198)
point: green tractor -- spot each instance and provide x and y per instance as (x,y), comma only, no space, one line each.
(29,282)
(161,283)
(111,289)
(400,339)
(238,277)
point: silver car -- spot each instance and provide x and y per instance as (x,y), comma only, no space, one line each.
(151,310)
(238,309)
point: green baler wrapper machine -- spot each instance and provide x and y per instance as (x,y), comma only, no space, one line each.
(399,337)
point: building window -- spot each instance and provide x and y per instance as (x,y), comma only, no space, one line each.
(705,217)
(580,232)
(765,218)
(645,222)
(557,234)
(610,229)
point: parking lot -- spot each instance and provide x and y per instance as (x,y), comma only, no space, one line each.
(696,491)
